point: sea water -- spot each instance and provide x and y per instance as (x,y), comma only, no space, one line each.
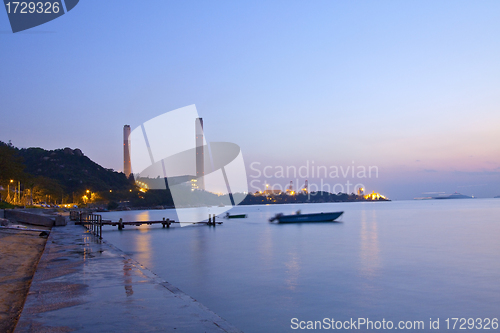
(400,261)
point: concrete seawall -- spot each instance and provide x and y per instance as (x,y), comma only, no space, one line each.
(29,218)
(35,217)
(83,284)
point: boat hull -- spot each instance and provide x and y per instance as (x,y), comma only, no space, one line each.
(239,216)
(300,218)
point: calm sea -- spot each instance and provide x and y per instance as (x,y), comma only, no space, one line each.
(398,261)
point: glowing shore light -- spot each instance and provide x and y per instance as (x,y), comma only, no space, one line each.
(374,196)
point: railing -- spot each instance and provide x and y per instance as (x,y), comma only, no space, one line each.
(92,222)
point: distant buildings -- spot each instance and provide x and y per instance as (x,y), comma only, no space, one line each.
(375,196)
(361,191)
(360,196)
(305,188)
(272,192)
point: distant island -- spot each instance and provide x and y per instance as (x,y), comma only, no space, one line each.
(455,195)
(313,197)
(68,178)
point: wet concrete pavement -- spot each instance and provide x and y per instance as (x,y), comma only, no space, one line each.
(83,284)
(20,251)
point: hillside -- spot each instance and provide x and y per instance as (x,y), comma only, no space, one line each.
(73,170)
(61,175)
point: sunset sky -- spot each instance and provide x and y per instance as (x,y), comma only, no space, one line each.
(410,87)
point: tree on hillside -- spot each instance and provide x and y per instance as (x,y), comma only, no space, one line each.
(11,165)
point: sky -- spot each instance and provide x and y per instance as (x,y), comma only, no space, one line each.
(409,87)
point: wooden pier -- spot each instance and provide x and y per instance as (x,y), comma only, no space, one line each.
(94,222)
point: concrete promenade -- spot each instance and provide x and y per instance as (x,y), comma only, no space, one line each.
(20,251)
(83,284)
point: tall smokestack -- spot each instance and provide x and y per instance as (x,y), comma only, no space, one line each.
(127,167)
(200,166)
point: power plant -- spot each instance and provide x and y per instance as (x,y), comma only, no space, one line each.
(127,166)
(199,140)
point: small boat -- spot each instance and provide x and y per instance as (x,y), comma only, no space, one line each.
(236,216)
(297,218)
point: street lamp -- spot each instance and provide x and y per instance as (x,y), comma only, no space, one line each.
(8,199)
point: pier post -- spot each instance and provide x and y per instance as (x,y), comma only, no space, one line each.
(214,220)
(120,224)
(100,227)
(168,223)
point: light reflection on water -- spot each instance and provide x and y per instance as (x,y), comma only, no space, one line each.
(408,260)
(292,270)
(369,254)
(142,246)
